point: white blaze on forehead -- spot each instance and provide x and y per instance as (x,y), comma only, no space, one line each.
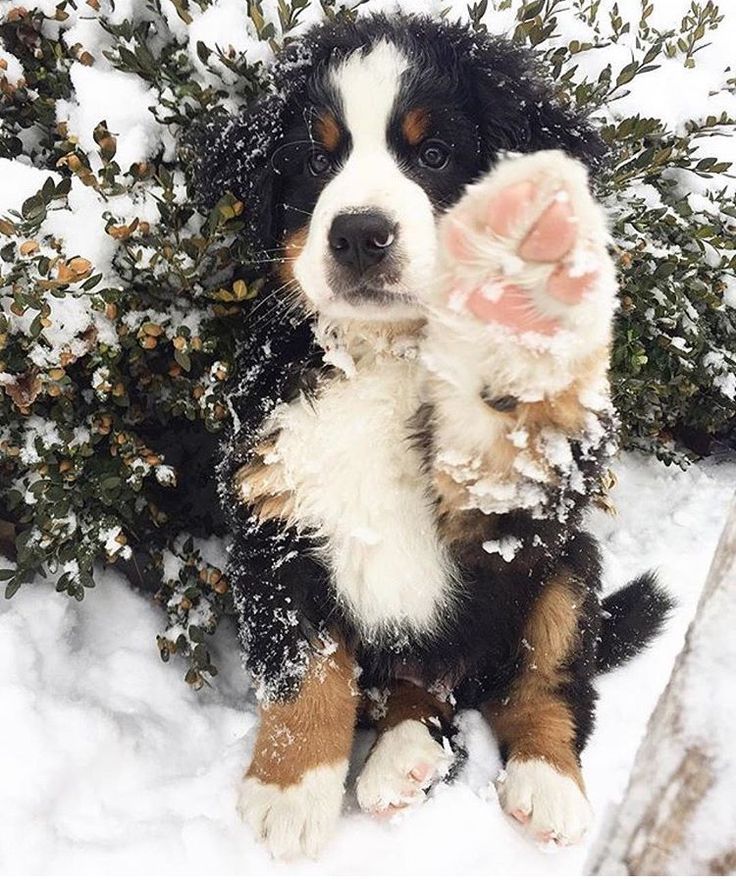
(368,85)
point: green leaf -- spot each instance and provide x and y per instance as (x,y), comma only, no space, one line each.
(183,360)
(530,10)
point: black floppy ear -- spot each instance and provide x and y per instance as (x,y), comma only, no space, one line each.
(517,109)
(233,154)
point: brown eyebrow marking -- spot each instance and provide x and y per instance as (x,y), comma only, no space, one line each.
(327,130)
(415,125)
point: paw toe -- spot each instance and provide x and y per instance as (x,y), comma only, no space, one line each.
(567,288)
(298,819)
(553,234)
(520,815)
(507,209)
(420,771)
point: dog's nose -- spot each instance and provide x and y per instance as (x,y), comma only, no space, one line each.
(361,240)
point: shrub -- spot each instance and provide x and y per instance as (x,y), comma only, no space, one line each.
(120,299)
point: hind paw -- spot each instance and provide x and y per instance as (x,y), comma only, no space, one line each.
(402,766)
(549,805)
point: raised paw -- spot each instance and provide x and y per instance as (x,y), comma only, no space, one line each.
(526,245)
(296,820)
(404,763)
(550,805)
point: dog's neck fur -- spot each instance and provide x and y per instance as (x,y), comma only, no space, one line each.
(349,344)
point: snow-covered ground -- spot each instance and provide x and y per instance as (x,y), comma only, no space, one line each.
(108,761)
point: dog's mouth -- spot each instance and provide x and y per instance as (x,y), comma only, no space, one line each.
(376,295)
(384,289)
(371,301)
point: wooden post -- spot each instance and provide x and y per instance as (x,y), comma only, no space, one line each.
(678,816)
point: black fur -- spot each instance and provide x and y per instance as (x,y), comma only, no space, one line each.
(632,618)
(493,99)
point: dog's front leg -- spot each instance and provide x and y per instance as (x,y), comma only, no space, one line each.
(518,339)
(292,793)
(519,425)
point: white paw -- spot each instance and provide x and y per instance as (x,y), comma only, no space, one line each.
(549,804)
(296,820)
(403,764)
(525,248)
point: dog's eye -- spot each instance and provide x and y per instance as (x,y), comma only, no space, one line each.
(319,162)
(434,155)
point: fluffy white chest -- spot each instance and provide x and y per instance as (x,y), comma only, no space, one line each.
(357,484)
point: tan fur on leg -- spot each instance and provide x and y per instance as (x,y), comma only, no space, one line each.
(542,786)
(315,728)
(407,701)
(535,722)
(292,793)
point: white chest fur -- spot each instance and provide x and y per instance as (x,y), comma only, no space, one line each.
(357,484)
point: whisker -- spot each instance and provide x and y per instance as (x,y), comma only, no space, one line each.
(296,208)
(279,301)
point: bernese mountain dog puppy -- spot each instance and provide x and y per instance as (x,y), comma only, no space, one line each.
(422,416)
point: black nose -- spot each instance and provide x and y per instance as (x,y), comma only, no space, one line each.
(361,240)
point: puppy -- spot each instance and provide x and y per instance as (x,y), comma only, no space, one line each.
(421,417)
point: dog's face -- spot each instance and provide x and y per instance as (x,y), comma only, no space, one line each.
(374,160)
(372,130)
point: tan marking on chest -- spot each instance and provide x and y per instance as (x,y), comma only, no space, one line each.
(261,484)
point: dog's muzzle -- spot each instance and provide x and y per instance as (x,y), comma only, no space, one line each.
(365,264)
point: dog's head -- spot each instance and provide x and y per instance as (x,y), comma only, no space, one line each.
(369,132)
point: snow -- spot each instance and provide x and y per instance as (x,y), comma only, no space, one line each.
(106,756)
(119,98)
(18,181)
(108,759)
(225,25)
(507,547)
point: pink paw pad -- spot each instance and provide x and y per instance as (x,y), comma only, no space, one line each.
(553,235)
(514,309)
(421,771)
(567,288)
(507,209)
(415,780)
(533,231)
(456,239)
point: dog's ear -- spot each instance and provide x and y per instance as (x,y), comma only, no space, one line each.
(233,154)
(517,110)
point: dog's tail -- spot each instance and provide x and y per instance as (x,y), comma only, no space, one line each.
(632,618)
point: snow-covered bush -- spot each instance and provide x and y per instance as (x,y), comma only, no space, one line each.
(119,299)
